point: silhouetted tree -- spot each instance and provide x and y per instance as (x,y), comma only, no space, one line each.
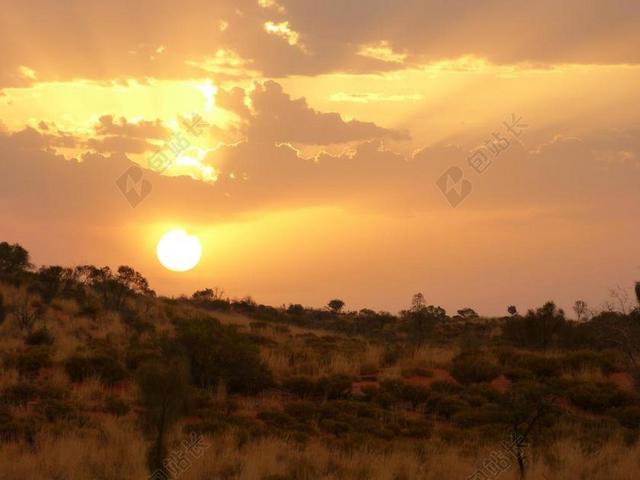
(468,314)
(14,262)
(3,311)
(52,281)
(637,290)
(219,354)
(420,324)
(114,288)
(163,391)
(513,311)
(208,294)
(295,309)
(537,329)
(580,309)
(336,305)
(418,302)
(526,407)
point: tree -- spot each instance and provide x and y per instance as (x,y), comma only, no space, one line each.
(52,281)
(336,305)
(163,392)
(208,294)
(14,261)
(3,312)
(525,408)
(418,302)
(219,354)
(637,289)
(537,329)
(114,288)
(580,309)
(468,314)
(513,311)
(420,324)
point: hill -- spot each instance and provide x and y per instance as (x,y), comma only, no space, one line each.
(103,379)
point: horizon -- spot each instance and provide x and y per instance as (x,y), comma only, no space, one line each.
(320,151)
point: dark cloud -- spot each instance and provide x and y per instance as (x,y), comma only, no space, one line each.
(275,117)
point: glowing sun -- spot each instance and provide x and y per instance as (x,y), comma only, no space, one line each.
(178,251)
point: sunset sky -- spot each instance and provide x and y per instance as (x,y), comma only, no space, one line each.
(326,133)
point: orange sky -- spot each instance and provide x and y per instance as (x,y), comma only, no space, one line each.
(326,129)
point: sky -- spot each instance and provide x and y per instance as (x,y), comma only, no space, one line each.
(483,153)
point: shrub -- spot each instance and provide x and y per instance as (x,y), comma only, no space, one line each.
(470,368)
(20,394)
(335,386)
(416,372)
(369,370)
(3,310)
(29,362)
(41,336)
(116,406)
(587,359)
(598,397)
(474,417)
(628,417)
(104,367)
(218,353)
(300,386)
(445,405)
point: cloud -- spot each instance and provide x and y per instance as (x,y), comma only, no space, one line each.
(564,175)
(273,116)
(338,36)
(122,127)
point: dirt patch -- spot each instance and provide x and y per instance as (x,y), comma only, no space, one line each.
(623,381)
(358,387)
(501,383)
(439,375)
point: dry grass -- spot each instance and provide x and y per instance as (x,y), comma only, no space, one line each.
(116,452)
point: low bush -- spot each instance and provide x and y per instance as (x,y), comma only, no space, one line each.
(473,368)
(41,336)
(598,397)
(107,369)
(30,361)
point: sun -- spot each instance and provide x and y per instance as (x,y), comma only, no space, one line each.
(178,251)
